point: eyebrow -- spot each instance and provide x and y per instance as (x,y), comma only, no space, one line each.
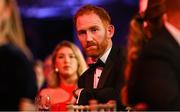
(92,27)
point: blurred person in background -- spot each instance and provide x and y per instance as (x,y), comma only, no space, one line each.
(47,69)
(40,77)
(17,82)
(47,66)
(68,64)
(153,68)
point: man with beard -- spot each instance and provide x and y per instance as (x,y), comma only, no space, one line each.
(103,80)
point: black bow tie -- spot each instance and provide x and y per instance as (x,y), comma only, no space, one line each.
(99,63)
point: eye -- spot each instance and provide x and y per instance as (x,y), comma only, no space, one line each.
(72,56)
(81,32)
(94,30)
(60,56)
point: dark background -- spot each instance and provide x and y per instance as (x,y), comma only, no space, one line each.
(47,22)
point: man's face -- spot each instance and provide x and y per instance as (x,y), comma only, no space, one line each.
(93,34)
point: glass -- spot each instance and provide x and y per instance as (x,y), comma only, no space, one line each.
(43,103)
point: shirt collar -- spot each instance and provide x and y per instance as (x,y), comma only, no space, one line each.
(173,31)
(105,55)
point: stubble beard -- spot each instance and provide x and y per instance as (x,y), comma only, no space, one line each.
(99,51)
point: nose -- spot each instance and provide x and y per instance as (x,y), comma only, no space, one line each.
(89,36)
(67,59)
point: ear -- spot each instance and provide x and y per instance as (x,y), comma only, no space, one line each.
(110,31)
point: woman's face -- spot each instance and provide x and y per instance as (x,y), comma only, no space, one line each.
(66,62)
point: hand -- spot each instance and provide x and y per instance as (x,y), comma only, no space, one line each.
(140,107)
(26,105)
(77,92)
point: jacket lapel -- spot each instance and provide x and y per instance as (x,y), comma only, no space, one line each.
(105,73)
(107,69)
(90,78)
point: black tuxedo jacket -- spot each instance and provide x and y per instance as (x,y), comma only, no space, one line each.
(155,78)
(110,82)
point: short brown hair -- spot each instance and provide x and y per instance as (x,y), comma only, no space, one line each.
(87,9)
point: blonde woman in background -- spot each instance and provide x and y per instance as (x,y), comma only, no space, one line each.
(17,82)
(11,30)
(68,65)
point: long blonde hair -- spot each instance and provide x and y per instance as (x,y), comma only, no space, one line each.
(82,66)
(11,28)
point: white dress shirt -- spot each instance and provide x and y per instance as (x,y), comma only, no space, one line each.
(98,71)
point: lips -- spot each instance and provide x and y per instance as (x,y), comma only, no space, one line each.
(91,48)
(66,67)
(90,43)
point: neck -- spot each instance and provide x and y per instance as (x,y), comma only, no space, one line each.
(69,81)
(108,47)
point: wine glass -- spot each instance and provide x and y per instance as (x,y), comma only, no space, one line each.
(43,102)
